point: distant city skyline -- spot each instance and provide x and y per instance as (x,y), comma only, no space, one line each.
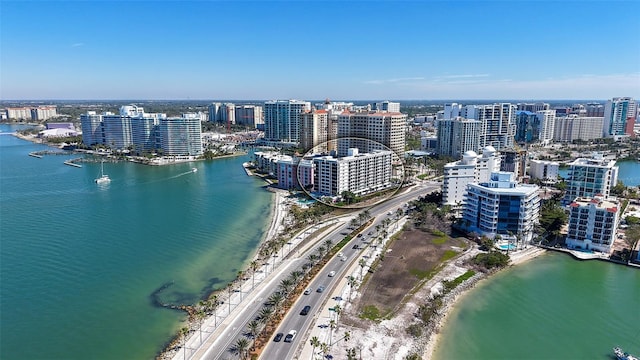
(162,50)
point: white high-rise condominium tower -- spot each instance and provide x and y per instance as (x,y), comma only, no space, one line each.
(387,106)
(502,207)
(498,125)
(590,177)
(180,136)
(617,113)
(315,130)
(92,132)
(457,136)
(282,119)
(386,128)
(547,120)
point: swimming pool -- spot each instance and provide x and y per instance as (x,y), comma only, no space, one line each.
(506,247)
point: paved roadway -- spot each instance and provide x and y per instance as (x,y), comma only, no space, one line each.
(218,342)
(301,323)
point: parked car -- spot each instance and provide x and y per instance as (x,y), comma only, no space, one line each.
(290,336)
(332,274)
(278,337)
(305,310)
(320,288)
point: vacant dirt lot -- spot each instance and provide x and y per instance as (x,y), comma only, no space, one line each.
(412,257)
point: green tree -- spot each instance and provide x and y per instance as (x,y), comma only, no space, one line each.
(618,189)
(552,218)
(632,236)
(315,342)
(241,347)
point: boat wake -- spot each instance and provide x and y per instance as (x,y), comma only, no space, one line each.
(182,174)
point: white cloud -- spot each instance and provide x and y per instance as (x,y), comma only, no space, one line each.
(393,80)
(570,87)
(463,76)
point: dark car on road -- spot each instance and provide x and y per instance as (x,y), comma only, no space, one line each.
(320,288)
(278,337)
(305,310)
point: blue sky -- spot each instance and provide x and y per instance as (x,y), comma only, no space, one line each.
(316,50)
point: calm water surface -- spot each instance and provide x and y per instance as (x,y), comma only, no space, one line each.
(553,307)
(79,261)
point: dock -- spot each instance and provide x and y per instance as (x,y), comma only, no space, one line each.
(71,163)
(35,155)
(245,166)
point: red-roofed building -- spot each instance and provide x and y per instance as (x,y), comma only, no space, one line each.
(592,224)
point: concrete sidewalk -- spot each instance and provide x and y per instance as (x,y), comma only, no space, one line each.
(250,296)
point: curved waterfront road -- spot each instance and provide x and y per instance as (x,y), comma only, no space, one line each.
(246,304)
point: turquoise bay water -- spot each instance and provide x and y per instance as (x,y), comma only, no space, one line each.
(552,307)
(79,261)
(628,172)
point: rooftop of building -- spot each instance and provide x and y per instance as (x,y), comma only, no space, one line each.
(603,203)
(594,160)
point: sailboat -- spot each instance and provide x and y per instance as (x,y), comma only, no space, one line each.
(104,178)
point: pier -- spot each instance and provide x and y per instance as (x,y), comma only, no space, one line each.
(35,155)
(71,163)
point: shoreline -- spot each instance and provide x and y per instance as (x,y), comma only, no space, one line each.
(454,298)
(135,160)
(172,347)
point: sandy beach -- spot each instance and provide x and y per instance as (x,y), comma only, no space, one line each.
(388,339)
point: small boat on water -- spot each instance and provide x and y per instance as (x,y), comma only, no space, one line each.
(104,178)
(621,355)
(194,170)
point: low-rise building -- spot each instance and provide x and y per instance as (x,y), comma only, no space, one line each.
(593,223)
(544,170)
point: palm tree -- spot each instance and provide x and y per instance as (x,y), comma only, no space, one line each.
(265,314)
(285,285)
(276,299)
(325,349)
(347,336)
(351,281)
(230,289)
(254,267)
(314,343)
(338,310)
(183,333)
(254,327)
(295,277)
(238,282)
(362,264)
(332,326)
(321,250)
(201,316)
(240,347)
(212,305)
(328,244)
